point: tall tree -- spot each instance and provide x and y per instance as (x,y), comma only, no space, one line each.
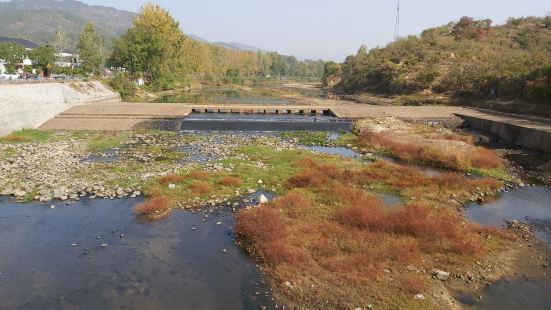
(90,48)
(152,47)
(60,42)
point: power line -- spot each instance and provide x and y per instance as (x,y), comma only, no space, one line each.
(397,27)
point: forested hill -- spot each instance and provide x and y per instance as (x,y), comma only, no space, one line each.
(37,20)
(469,58)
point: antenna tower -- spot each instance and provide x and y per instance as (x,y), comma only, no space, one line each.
(397,28)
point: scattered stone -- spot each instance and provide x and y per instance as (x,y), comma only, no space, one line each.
(419,297)
(263,199)
(288,284)
(440,275)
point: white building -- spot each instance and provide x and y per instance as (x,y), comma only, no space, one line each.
(27,61)
(66,60)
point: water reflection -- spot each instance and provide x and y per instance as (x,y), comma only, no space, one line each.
(53,259)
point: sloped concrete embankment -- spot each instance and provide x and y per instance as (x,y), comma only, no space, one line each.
(25,106)
(524,133)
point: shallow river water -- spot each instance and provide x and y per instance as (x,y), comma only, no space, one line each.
(53,259)
(531,205)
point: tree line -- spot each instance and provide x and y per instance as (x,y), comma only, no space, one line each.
(156,50)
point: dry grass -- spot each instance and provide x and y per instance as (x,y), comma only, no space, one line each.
(172,179)
(465,158)
(454,137)
(200,188)
(330,233)
(199,175)
(152,206)
(230,181)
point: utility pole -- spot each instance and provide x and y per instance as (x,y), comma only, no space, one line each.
(397,27)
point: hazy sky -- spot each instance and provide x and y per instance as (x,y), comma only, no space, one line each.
(322,28)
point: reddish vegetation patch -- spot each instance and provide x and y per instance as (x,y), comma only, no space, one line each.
(172,179)
(329,233)
(13,138)
(230,181)
(200,188)
(452,158)
(152,206)
(454,137)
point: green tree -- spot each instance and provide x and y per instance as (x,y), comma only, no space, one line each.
(152,47)
(43,57)
(12,53)
(90,48)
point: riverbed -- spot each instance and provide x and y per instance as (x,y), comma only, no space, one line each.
(97,253)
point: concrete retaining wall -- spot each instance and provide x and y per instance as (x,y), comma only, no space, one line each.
(26,106)
(526,137)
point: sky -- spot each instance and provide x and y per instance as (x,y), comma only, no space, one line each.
(324,29)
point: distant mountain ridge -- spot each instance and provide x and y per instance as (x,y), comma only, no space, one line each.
(37,20)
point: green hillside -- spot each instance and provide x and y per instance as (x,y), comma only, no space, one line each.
(37,20)
(468,59)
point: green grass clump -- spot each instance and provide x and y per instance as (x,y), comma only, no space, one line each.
(26,136)
(310,138)
(105,142)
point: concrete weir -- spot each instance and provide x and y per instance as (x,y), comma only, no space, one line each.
(244,109)
(527,132)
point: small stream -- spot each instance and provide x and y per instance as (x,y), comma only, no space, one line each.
(54,259)
(531,205)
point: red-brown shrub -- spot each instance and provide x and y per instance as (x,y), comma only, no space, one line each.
(447,158)
(484,158)
(278,252)
(171,179)
(200,188)
(454,137)
(154,205)
(230,181)
(260,225)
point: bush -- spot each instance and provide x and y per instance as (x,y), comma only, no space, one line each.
(152,206)
(123,84)
(230,181)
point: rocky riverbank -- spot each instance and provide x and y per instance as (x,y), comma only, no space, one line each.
(67,167)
